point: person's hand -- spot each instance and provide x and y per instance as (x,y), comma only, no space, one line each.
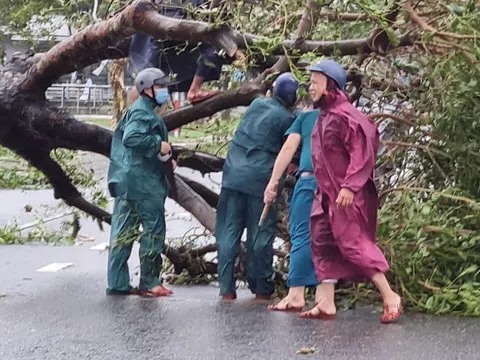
(174,164)
(270,193)
(165,148)
(345,198)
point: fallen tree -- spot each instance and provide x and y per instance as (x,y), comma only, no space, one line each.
(398,65)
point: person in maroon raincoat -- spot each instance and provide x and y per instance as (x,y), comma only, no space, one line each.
(343,221)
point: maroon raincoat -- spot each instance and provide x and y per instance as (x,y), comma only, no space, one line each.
(344,147)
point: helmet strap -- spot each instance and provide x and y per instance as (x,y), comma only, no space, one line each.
(152,98)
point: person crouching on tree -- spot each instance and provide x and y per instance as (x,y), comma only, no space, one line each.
(136,180)
(344,212)
(246,172)
(192,64)
(301,271)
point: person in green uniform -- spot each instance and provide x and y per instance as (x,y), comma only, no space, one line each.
(136,180)
(248,166)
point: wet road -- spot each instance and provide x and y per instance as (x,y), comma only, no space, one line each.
(66,315)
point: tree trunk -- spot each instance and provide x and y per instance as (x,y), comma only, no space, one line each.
(117,77)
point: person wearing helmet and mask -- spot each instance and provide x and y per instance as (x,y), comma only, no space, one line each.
(246,172)
(137,181)
(344,213)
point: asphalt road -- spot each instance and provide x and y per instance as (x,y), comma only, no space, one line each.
(66,315)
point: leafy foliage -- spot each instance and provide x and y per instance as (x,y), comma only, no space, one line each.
(17,173)
(432,240)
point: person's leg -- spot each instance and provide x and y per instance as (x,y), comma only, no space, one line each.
(209,68)
(229,228)
(327,261)
(325,308)
(318,294)
(124,232)
(260,249)
(301,271)
(392,302)
(152,214)
(354,229)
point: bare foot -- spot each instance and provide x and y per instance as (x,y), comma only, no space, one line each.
(321,311)
(287,305)
(392,308)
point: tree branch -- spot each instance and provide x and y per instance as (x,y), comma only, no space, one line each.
(340,47)
(307,24)
(62,185)
(424,25)
(95,42)
(195,204)
(197,160)
(399,119)
(210,196)
(242,96)
(410,145)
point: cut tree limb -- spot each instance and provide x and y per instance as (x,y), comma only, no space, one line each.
(195,204)
(210,196)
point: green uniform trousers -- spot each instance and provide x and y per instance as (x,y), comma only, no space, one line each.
(235,212)
(127,217)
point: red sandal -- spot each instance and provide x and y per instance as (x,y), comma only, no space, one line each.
(391,317)
(158,291)
(322,315)
(288,308)
(229,297)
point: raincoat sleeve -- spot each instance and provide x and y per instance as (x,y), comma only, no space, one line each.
(362,156)
(137,135)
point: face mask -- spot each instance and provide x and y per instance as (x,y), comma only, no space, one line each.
(161,97)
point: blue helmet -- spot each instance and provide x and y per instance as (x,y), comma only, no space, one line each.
(285,88)
(331,69)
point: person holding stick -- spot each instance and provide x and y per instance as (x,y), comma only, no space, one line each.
(301,271)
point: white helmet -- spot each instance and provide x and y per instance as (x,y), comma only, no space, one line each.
(149,77)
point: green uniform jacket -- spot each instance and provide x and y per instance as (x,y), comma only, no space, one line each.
(135,172)
(255,146)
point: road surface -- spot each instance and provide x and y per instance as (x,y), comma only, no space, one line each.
(66,315)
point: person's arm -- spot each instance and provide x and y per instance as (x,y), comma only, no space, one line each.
(284,158)
(362,162)
(137,136)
